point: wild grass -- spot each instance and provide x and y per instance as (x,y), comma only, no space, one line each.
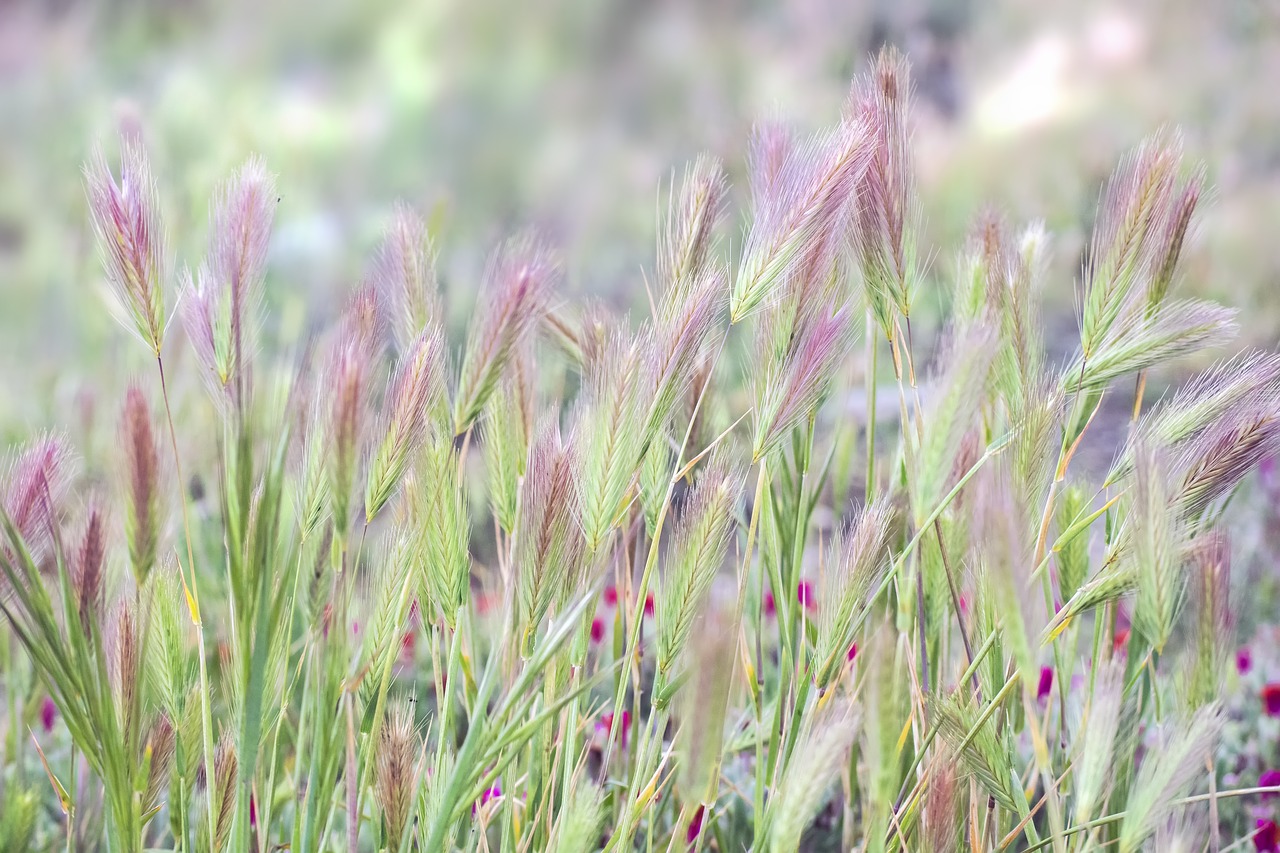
(426,605)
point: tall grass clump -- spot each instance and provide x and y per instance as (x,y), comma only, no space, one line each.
(578,582)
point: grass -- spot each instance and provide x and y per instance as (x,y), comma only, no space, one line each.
(575,583)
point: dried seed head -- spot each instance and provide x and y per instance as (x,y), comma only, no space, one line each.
(515,295)
(396,770)
(142,474)
(943,805)
(126,220)
(404,271)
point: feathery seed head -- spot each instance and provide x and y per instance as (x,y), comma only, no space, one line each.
(515,295)
(397,770)
(35,481)
(856,561)
(884,236)
(404,270)
(414,396)
(126,220)
(690,225)
(87,571)
(796,211)
(142,474)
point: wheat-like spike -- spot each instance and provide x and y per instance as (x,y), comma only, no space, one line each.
(1167,774)
(801,793)
(857,558)
(404,270)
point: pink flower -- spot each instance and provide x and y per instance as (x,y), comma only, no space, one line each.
(491,793)
(48,713)
(804,595)
(1121,639)
(1266,839)
(1271,699)
(1244,660)
(610,596)
(770,606)
(853,652)
(1269,779)
(648,605)
(597,630)
(1046,683)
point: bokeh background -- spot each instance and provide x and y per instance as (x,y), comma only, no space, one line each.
(571,115)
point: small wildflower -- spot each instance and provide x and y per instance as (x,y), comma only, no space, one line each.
(611,596)
(1271,699)
(597,630)
(770,605)
(852,653)
(1244,660)
(1266,839)
(1046,683)
(624,725)
(805,596)
(1269,779)
(1121,639)
(648,605)
(48,714)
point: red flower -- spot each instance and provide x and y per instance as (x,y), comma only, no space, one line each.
(648,605)
(853,652)
(610,596)
(1121,639)
(48,713)
(606,723)
(1266,838)
(1244,660)
(770,606)
(695,825)
(804,595)
(1271,699)
(597,629)
(408,644)
(1269,779)
(491,793)
(1046,683)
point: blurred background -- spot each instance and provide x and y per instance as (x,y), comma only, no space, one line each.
(571,116)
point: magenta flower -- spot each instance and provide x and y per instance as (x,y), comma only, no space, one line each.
(1244,660)
(853,652)
(1271,699)
(1269,779)
(606,723)
(597,630)
(1266,839)
(804,595)
(770,606)
(610,596)
(1046,683)
(48,713)
(648,605)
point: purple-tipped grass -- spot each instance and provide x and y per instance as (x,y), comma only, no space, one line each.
(404,270)
(800,201)
(220,305)
(125,213)
(415,392)
(1036,651)
(141,474)
(885,233)
(515,294)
